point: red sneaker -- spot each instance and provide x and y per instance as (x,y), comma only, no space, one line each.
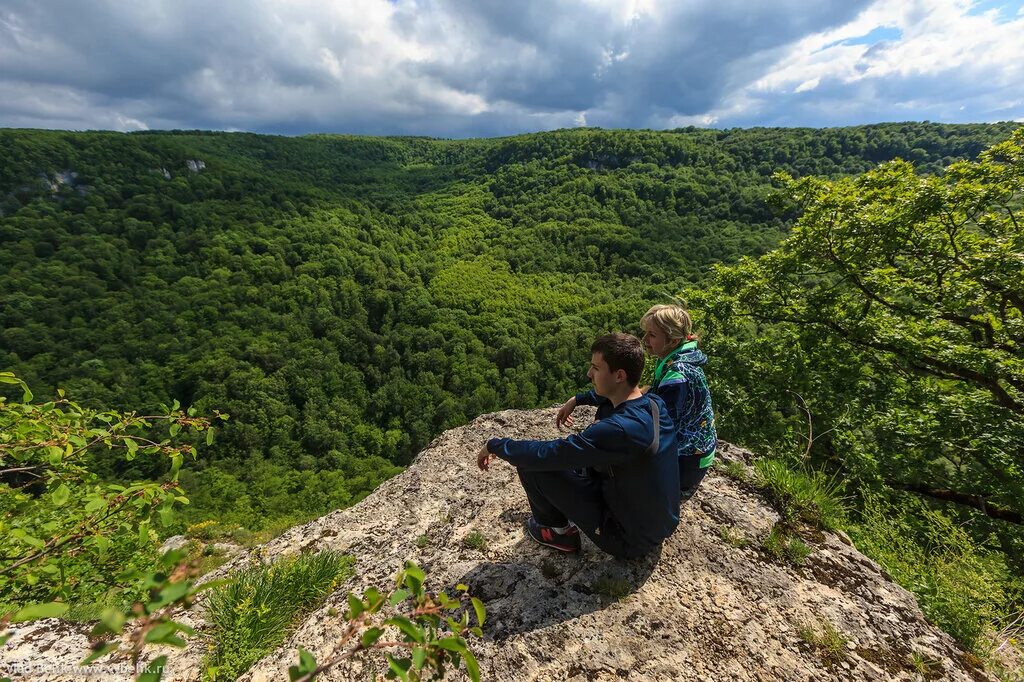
(568,541)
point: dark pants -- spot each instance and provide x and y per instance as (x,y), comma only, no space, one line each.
(690,476)
(556,497)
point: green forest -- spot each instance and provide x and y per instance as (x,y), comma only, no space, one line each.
(346,299)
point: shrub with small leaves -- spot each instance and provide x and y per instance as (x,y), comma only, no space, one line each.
(431,631)
(68,538)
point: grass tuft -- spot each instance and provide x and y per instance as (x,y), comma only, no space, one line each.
(251,616)
(812,498)
(611,587)
(475,540)
(737,471)
(733,537)
(828,641)
(784,546)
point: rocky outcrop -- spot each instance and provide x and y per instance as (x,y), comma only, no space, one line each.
(710,605)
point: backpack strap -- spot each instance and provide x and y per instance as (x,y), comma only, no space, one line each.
(655,445)
(651,450)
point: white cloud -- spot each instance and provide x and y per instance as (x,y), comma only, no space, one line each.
(946,60)
(481,67)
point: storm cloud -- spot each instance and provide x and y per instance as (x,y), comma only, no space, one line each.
(460,68)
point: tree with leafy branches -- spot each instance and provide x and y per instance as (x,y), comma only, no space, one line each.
(896,309)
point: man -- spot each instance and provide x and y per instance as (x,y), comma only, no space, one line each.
(627,502)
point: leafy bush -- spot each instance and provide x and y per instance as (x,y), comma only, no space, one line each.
(812,498)
(251,615)
(66,537)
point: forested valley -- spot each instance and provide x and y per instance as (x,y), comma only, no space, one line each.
(346,299)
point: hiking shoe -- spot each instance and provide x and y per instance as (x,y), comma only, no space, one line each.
(568,541)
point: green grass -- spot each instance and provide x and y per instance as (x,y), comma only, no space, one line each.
(735,470)
(808,497)
(611,587)
(422,541)
(961,587)
(251,616)
(475,540)
(827,641)
(784,546)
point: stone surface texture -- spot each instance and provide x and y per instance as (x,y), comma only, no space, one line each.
(710,605)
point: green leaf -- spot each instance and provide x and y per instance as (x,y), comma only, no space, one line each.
(167,633)
(373,599)
(472,667)
(38,611)
(153,671)
(399,667)
(481,612)
(355,606)
(407,627)
(144,533)
(176,460)
(370,637)
(209,436)
(19,534)
(104,649)
(174,592)
(113,620)
(54,455)
(166,516)
(61,495)
(102,544)
(398,596)
(307,664)
(9,378)
(452,644)
(419,656)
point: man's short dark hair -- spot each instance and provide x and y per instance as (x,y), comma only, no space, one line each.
(622,351)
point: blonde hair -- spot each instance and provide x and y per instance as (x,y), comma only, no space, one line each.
(671,319)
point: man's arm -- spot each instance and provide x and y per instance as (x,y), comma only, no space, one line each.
(603,443)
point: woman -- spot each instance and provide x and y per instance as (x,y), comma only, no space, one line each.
(679,381)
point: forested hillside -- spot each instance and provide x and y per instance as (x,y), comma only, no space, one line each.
(345,299)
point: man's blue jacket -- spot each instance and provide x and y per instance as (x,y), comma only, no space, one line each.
(640,490)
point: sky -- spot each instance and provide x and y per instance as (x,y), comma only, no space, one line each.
(484,68)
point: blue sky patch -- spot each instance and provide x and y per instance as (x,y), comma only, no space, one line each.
(875,35)
(1007,9)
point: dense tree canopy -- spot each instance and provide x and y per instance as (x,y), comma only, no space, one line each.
(345,299)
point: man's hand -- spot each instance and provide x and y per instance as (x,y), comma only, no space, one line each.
(564,417)
(483,459)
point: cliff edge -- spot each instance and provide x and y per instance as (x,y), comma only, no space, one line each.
(710,605)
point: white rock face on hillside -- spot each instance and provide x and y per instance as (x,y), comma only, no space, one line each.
(702,608)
